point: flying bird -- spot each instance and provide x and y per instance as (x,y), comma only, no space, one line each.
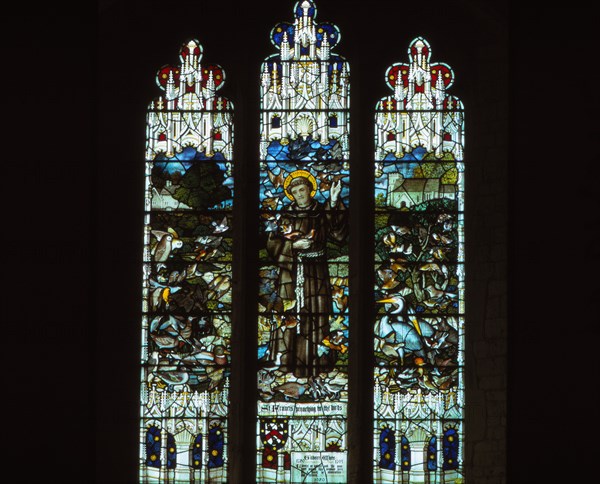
(276,180)
(210,241)
(326,180)
(270,203)
(220,227)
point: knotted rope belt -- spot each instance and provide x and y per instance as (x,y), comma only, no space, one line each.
(300,277)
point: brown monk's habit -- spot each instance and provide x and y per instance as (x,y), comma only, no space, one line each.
(298,345)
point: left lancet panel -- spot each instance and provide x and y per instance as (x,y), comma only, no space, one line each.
(187,271)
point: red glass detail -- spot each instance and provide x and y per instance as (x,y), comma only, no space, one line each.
(393,75)
(163,75)
(217,74)
(162,137)
(447,137)
(440,71)
(287,461)
(391,136)
(217,136)
(189,88)
(420,88)
(389,104)
(269,459)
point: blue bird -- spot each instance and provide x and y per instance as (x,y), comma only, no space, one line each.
(403,334)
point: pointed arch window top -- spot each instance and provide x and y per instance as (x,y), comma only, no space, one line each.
(420,84)
(305,38)
(191,85)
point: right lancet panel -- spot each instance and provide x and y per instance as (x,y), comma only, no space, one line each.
(419,275)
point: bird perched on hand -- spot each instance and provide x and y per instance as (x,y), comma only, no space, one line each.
(167,241)
(289,233)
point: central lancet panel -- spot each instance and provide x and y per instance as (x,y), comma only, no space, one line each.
(303,295)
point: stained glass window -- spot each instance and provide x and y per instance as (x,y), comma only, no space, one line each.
(419,273)
(186,327)
(303,293)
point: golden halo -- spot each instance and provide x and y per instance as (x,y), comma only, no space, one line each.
(296,174)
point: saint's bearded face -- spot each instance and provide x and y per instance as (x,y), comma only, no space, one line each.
(301,194)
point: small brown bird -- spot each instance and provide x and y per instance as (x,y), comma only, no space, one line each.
(397,264)
(218,287)
(270,203)
(441,238)
(276,180)
(389,239)
(340,300)
(326,180)
(388,277)
(439,253)
(290,321)
(291,389)
(204,253)
(400,230)
(431,267)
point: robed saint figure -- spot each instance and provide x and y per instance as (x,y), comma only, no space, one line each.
(299,250)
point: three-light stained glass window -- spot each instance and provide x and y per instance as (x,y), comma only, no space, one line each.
(187,297)
(302,319)
(419,274)
(303,294)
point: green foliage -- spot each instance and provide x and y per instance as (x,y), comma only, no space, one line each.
(202,186)
(450,177)
(433,170)
(440,205)
(335,250)
(380,200)
(381,220)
